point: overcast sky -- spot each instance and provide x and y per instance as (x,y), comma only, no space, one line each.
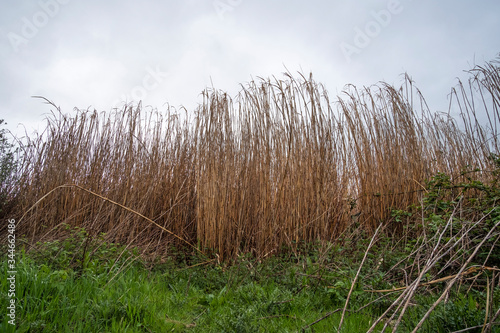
(97,53)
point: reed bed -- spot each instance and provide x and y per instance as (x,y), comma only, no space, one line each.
(278,164)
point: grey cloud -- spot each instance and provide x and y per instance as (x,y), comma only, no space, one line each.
(93,52)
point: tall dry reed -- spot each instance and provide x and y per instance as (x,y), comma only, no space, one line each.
(278,164)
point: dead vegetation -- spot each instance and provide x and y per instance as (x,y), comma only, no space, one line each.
(278,164)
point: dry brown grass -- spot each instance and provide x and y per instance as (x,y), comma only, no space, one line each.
(279,164)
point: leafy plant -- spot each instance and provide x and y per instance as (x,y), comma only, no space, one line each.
(8,168)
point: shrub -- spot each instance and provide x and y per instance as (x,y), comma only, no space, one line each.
(8,167)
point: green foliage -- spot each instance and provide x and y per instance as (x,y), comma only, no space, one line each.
(399,215)
(275,295)
(455,203)
(82,252)
(459,313)
(8,167)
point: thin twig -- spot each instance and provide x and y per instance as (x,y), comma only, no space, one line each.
(473,328)
(471,270)
(448,287)
(280,316)
(356,277)
(320,319)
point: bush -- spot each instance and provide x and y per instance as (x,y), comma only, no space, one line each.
(8,167)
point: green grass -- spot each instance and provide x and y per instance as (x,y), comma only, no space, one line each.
(200,299)
(57,292)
